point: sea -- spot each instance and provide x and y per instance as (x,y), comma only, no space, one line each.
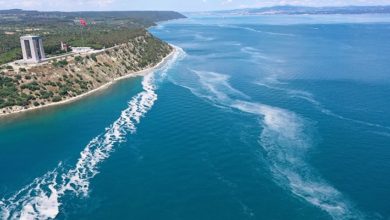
(254,117)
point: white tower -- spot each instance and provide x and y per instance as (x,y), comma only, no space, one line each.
(32,49)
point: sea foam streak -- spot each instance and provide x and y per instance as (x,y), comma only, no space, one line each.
(284,140)
(272,83)
(41,198)
(256,54)
(254,30)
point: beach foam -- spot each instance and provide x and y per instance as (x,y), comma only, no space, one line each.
(42,198)
(284,140)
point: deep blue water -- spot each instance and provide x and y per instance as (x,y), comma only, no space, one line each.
(264,117)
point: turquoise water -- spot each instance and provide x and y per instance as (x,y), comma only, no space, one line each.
(266,117)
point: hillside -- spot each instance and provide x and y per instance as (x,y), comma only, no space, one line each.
(28,87)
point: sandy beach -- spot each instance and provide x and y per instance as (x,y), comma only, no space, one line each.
(102,87)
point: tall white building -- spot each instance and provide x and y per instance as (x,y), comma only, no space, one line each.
(32,49)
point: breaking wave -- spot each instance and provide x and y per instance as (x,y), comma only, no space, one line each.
(283,139)
(42,198)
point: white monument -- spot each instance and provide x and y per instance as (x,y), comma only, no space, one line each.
(32,49)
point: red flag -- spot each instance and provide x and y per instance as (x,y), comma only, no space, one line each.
(83,22)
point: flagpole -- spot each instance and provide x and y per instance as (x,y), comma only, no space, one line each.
(82,37)
(82,25)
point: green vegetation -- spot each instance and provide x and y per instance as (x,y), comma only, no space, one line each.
(60,63)
(105,29)
(150,50)
(78,59)
(56,98)
(93,57)
(9,94)
(45,94)
(32,86)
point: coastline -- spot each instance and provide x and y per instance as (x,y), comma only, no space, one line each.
(100,88)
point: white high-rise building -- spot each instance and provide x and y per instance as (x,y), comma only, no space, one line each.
(32,49)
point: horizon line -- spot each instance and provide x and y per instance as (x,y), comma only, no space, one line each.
(155,10)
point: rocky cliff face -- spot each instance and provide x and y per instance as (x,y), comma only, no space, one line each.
(23,88)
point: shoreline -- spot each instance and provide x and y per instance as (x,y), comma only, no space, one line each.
(100,88)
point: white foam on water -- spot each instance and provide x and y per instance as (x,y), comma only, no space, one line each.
(286,144)
(274,84)
(284,141)
(218,85)
(160,27)
(370,124)
(41,198)
(255,30)
(200,37)
(309,97)
(257,54)
(384,134)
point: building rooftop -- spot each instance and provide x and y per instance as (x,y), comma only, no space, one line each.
(29,36)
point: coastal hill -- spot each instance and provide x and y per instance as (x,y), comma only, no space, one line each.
(289,9)
(62,79)
(120,46)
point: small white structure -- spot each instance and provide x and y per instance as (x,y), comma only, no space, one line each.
(64,46)
(32,49)
(81,49)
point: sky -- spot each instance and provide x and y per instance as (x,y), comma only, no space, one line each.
(176,5)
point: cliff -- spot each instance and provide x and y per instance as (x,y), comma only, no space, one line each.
(58,80)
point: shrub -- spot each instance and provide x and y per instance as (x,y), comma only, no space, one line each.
(33,86)
(56,98)
(60,63)
(46,94)
(22,69)
(93,57)
(63,92)
(78,59)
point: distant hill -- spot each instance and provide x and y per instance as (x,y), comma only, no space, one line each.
(146,18)
(288,9)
